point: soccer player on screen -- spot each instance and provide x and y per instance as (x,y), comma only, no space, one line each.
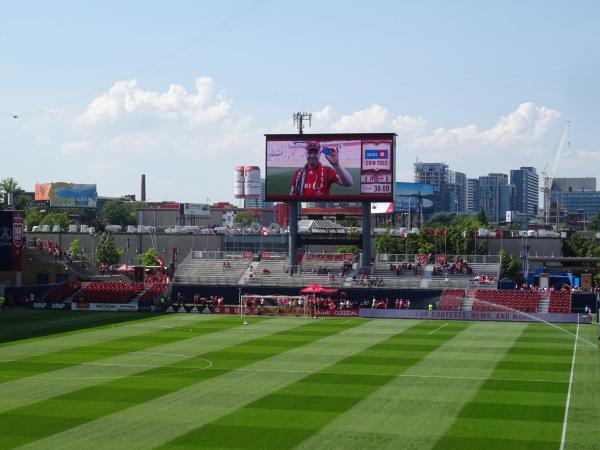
(314,179)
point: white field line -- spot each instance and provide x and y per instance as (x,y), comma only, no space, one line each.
(566,419)
(437,329)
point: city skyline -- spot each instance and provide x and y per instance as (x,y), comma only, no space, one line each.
(183,97)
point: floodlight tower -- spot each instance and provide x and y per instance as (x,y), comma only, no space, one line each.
(294,207)
(300,118)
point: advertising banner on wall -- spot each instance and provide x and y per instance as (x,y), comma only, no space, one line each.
(11,240)
(67,195)
(507,316)
(330,167)
(413,197)
(42,191)
(196,209)
(104,307)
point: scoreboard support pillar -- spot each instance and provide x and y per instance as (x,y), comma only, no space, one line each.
(293,234)
(365,262)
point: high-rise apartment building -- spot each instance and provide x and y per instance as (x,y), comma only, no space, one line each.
(526,182)
(496,196)
(472,205)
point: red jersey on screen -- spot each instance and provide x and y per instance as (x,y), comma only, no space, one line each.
(313,182)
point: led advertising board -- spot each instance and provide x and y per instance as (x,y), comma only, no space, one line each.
(330,167)
(413,197)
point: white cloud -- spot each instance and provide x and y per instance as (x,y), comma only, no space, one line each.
(526,125)
(126,100)
(157,133)
(409,126)
(371,119)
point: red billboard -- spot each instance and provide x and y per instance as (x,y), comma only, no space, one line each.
(330,167)
(11,240)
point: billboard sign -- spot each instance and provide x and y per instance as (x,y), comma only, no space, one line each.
(413,197)
(330,167)
(70,195)
(196,209)
(42,191)
(11,240)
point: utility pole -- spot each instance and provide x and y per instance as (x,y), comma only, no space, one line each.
(300,118)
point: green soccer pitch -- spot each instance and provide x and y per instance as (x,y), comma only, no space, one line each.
(179,381)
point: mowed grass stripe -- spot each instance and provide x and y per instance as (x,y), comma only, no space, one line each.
(60,413)
(68,357)
(518,414)
(396,412)
(584,412)
(41,345)
(149,424)
(33,389)
(288,416)
(31,324)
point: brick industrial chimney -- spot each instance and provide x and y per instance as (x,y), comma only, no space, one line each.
(143,196)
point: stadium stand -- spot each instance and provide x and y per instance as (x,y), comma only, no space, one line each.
(276,273)
(503,300)
(451,299)
(152,292)
(560,302)
(61,292)
(211,271)
(110,292)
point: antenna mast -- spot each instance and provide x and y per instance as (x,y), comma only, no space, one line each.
(300,118)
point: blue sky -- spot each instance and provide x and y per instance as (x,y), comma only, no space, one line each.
(184,91)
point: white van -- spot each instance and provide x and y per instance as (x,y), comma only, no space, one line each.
(36,229)
(131,229)
(113,228)
(72,228)
(45,228)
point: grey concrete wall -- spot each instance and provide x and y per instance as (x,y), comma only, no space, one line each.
(139,243)
(537,246)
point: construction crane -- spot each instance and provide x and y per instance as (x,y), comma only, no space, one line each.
(549,178)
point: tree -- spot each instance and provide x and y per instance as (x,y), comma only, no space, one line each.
(118,212)
(348,249)
(243,219)
(9,186)
(60,218)
(511,266)
(441,220)
(481,217)
(107,253)
(74,247)
(148,258)
(595,222)
(385,243)
(578,246)
(33,217)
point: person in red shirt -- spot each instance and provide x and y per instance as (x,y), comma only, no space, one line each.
(315,179)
